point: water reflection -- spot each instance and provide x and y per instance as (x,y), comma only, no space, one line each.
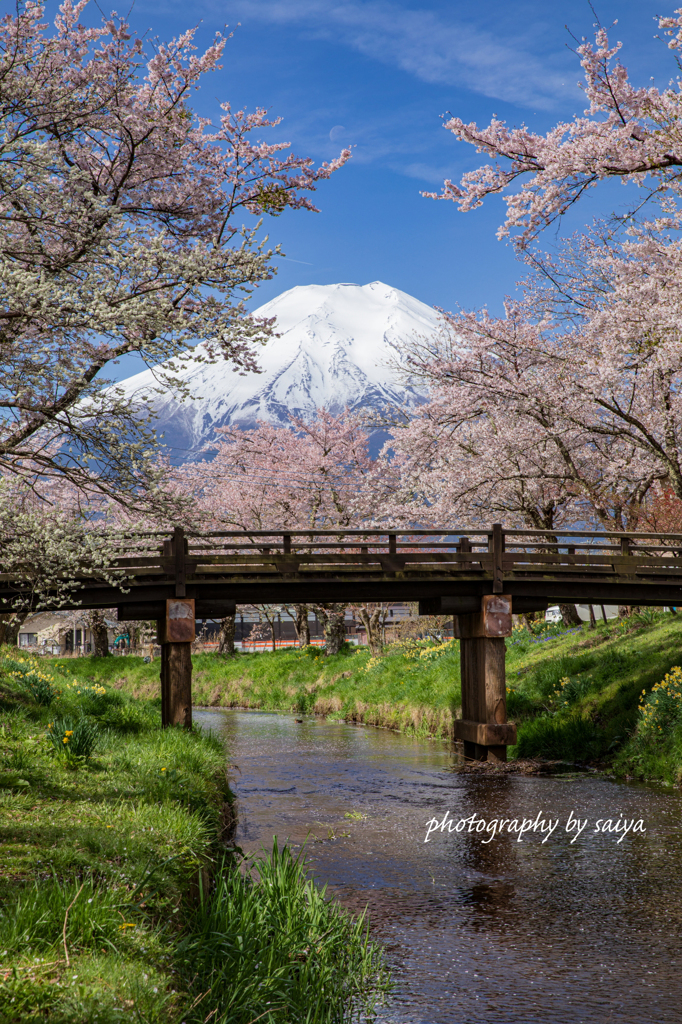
(504,932)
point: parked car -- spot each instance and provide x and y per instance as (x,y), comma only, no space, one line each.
(553,614)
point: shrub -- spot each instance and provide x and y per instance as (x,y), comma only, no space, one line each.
(662,707)
(569,690)
(31,680)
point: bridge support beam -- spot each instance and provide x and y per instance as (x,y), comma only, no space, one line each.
(175,634)
(483,727)
(176,684)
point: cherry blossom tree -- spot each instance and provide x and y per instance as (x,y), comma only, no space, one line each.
(121,213)
(100,632)
(512,429)
(298,613)
(373,616)
(10,624)
(334,623)
(662,511)
(50,545)
(316,474)
(589,359)
(627,132)
(226,633)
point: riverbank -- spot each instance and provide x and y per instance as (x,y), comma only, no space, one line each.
(111,833)
(573,694)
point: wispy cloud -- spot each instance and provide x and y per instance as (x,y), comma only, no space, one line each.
(434,48)
(425,172)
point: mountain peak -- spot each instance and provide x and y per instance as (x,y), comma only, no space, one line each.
(333,348)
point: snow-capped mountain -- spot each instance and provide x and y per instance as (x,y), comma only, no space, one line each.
(334,344)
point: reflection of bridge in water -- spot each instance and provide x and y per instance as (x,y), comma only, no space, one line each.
(479,576)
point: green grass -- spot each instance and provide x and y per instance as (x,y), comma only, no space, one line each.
(313,966)
(593,719)
(410,693)
(106,856)
(116,837)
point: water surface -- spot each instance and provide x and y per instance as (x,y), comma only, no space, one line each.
(505,932)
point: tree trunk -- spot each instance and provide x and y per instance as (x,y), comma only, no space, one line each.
(624,611)
(266,614)
(335,631)
(10,624)
(100,636)
(226,634)
(570,615)
(593,621)
(371,620)
(333,616)
(301,625)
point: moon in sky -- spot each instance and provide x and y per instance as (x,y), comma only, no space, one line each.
(336,132)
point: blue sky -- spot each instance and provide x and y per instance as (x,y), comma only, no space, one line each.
(376,75)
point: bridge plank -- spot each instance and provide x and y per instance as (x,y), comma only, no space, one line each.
(336,556)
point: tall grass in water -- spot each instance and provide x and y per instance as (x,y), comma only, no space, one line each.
(267,944)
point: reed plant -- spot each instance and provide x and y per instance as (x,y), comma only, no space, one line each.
(269,943)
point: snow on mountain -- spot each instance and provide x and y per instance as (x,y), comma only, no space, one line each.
(334,344)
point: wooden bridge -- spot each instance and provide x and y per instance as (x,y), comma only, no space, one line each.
(478,576)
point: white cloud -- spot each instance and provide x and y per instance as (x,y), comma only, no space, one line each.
(424,44)
(426,172)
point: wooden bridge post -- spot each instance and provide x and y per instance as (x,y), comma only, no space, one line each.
(483,726)
(176,637)
(176,683)
(176,634)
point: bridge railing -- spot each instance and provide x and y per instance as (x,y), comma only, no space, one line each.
(494,556)
(501,553)
(582,553)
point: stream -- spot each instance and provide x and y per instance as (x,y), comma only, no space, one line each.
(506,932)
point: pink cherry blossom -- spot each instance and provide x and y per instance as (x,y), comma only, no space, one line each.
(626,132)
(127,226)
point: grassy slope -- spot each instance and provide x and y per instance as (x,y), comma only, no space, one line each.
(413,694)
(144,812)
(596,712)
(595,719)
(123,842)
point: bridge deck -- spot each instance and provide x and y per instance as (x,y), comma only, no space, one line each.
(442,570)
